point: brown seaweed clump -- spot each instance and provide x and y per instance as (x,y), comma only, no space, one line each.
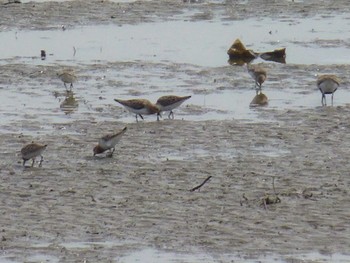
(240,55)
(278,55)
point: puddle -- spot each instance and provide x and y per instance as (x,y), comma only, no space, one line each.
(204,43)
(155,256)
(150,255)
(46,110)
(235,104)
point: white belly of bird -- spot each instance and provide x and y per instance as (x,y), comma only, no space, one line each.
(328,86)
(138,111)
(170,107)
(108,144)
(31,155)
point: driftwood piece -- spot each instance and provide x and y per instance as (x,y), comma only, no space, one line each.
(199,186)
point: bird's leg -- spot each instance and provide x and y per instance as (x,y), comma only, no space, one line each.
(136,118)
(171,115)
(323,101)
(158,115)
(33,161)
(24,162)
(141,117)
(256,87)
(41,160)
(111,151)
(332,99)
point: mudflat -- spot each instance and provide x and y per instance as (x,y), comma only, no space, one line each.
(279,183)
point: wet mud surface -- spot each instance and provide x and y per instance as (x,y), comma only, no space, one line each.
(78,207)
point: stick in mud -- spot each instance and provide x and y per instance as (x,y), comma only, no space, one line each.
(199,186)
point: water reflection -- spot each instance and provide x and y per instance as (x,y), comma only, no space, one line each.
(259,100)
(160,41)
(69,104)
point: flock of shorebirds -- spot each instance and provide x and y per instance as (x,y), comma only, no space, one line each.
(139,107)
(327,84)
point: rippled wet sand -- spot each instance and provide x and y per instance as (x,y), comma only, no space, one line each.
(137,205)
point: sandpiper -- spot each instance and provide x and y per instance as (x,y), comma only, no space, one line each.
(168,103)
(327,84)
(68,77)
(258,74)
(108,142)
(139,107)
(31,151)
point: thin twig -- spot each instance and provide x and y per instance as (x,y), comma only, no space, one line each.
(199,186)
(273,185)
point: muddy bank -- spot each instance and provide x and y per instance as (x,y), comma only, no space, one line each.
(78,207)
(52,15)
(141,196)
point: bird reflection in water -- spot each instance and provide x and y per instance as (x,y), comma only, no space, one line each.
(69,104)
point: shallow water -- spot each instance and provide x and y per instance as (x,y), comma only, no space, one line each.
(219,105)
(142,192)
(317,40)
(151,255)
(201,44)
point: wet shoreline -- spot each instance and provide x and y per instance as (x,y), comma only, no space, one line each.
(137,205)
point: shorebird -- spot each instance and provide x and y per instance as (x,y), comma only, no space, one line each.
(258,74)
(168,103)
(139,107)
(31,151)
(108,142)
(327,84)
(68,77)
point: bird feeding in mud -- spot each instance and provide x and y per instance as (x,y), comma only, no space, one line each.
(31,151)
(139,107)
(67,77)
(108,142)
(259,75)
(327,84)
(168,103)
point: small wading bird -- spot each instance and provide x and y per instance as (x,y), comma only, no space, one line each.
(327,84)
(168,103)
(31,151)
(68,77)
(108,142)
(139,107)
(258,74)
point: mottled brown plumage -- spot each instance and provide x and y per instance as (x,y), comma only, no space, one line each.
(259,75)
(31,151)
(68,77)
(108,142)
(327,84)
(139,107)
(170,102)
